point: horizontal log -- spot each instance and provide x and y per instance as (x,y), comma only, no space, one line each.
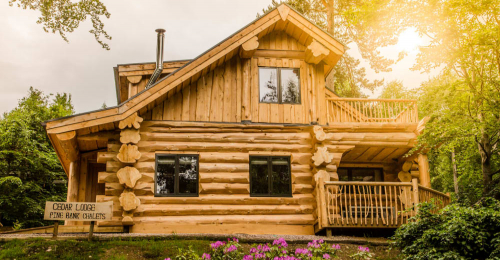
(299,219)
(280,54)
(234,199)
(187,210)
(145,146)
(210,167)
(224,188)
(115,189)
(286,138)
(224,177)
(370,127)
(224,230)
(235,157)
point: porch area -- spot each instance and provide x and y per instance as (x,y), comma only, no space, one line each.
(370,182)
(372,204)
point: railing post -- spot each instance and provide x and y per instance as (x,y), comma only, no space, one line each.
(322,199)
(416,199)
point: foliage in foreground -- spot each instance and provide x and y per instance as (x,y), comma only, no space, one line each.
(278,250)
(28,162)
(457,232)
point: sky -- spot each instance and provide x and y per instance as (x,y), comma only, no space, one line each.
(31,57)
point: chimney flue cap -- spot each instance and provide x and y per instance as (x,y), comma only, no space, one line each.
(160,30)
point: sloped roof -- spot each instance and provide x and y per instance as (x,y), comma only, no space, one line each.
(226,47)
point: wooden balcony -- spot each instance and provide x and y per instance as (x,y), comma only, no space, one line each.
(345,110)
(371,204)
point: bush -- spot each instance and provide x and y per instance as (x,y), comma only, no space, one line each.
(278,250)
(456,232)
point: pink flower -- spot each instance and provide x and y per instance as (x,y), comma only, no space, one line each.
(326,256)
(230,249)
(217,244)
(205,256)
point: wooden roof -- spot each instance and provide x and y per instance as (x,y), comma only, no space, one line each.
(282,17)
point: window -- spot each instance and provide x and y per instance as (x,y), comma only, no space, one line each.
(270,176)
(279,85)
(360,174)
(176,175)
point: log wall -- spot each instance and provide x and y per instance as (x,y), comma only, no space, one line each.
(224,204)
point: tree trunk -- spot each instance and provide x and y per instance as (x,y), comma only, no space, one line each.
(485,150)
(331,17)
(455,174)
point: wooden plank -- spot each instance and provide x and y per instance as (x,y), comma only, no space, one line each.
(227,93)
(238,88)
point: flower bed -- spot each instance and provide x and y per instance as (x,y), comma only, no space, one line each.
(278,250)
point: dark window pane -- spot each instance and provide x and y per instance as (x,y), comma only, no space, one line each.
(268,85)
(165,175)
(188,174)
(343,174)
(290,86)
(281,176)
(363,174)
(259,175)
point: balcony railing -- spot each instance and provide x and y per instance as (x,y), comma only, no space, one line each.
(372,204)
(341,110)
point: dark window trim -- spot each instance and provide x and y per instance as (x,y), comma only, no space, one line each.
(270,181)
(349,171)
(176,176)
(278,79)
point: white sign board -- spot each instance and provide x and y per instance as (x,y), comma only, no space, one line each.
(78,211)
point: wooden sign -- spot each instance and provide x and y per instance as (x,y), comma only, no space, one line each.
(78,211)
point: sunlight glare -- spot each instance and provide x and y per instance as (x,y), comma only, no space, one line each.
(409,41)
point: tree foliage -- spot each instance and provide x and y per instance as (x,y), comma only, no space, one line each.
(367,24)
(463,102)
(28,163)
(457,232)
(64,16)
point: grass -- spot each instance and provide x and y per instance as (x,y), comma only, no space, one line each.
(122,249)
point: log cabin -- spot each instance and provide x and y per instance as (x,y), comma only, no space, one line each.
(246,138)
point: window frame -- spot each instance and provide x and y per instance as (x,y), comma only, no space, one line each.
(278,82)
(269,170)
(176,176)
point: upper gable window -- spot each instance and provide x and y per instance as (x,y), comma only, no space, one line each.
(279,85)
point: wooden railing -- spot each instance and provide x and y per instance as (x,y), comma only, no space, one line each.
(439,199)
(372,204)
(341,110)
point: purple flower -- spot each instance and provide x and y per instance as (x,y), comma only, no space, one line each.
(280,242)
(217,244)
(299,251)
(231,248)
(205,256)
(253,250)
(326,256)
(248,257)
(235,240)
(167,258)
(364,249)
(337,246)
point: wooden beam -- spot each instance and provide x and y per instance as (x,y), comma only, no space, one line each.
(316,52)
(280,54)
(134,79)
(283,10)
(69,145)
(423,168)
(248,48)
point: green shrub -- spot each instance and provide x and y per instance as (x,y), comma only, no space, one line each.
(456,232)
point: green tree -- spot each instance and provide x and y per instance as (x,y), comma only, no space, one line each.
(396,90)
(463,102)
(368,24)
(64,16)
(28,163)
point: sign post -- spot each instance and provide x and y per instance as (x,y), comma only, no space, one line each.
(78,211)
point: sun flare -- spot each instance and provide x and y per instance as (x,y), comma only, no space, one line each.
(409,41)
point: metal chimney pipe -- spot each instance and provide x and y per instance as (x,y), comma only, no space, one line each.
(159,58)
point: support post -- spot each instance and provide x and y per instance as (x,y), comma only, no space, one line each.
(423,168)
(416,200)
(56,230)
(91,230)
(328,232)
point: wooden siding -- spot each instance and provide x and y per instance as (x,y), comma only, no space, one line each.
(221,95)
